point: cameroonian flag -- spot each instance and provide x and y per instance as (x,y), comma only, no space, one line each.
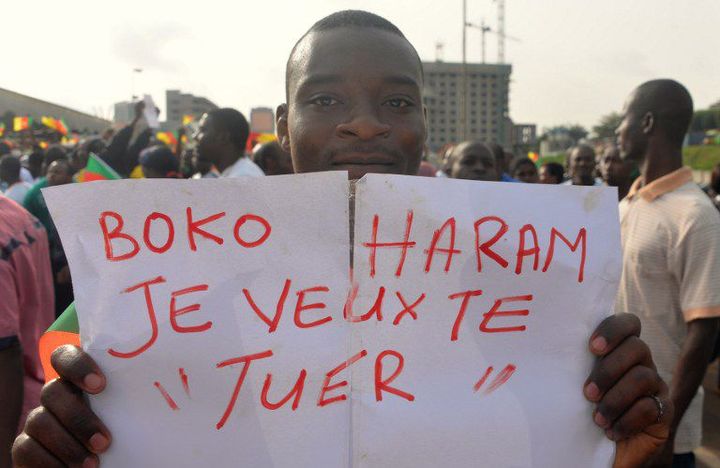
(168,138)
(2,128)
(97,169)
(258,138)
(187,119)
(533,156)
(64,330)
(21,123)
(48,122)
(61,126)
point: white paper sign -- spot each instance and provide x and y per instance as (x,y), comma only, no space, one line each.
(150,112)
(224,315)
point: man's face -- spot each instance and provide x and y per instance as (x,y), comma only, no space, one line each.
(355,104)
(474,161)
(527,173)
(613,169)
(630,138)
(59,173)
(582,163)
(207,145)
(546,177)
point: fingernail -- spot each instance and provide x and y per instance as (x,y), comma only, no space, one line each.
(592,392)
(600,420)
(93,381)
(99,442)
(599,344)
(90,462)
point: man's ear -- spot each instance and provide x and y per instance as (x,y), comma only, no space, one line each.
(281,126)
(647,123)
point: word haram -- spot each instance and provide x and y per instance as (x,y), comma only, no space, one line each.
(443,243)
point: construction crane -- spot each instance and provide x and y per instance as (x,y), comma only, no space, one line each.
(484,29)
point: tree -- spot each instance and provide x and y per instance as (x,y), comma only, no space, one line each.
(607,125)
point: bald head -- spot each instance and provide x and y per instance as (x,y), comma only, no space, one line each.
(669,104)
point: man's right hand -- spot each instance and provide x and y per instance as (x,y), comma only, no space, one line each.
(63,431)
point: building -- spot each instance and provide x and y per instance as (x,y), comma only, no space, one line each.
(14,104)
(180,104)
(124,112)
(524,134)
(262,120)
(487,98)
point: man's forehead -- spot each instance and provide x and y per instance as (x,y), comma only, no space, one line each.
(353,50)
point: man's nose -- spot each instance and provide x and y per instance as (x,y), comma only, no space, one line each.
(365,124)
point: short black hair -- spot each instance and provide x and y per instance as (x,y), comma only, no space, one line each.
(10,166)
(347,19)
(160,158)
(556,170)
(54,153)
(670,104)
(497,151)
(520,161)
(234,123)
(269,150)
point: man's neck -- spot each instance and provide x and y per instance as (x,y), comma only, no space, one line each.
(227,159)
(583,180)
(659,162)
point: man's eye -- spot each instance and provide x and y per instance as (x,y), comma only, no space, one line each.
(324,101)
(398,102)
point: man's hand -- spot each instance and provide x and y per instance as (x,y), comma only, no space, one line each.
(623,383)
(64,431)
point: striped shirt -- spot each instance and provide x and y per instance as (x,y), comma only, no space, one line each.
(671,274)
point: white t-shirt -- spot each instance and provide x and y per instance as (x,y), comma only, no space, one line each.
(244,167)
(17,191)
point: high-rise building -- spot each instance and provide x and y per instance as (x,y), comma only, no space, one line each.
(181,104)
(262,120)
(487,103)
(124,112)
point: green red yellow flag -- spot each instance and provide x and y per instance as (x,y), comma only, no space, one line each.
(534,157)
(21,123)
(168,138)
(61,126)
(65,330)
(97,169)
(187,119)
(2,128)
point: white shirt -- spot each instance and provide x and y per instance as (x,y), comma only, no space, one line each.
(244,167)
(26,176)
(598,181)
(17,191)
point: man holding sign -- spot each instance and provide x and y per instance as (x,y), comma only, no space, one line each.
(355,104)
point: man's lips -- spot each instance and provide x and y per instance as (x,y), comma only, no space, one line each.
(362,160)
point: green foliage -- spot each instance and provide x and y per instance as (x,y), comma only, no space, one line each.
(607,125)
(701,158)
(703,120)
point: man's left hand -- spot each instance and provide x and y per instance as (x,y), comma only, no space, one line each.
(632,401)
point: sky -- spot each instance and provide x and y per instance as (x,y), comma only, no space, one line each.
(575,60)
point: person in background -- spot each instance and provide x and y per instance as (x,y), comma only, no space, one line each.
(272,159)
(34,164)
(15,189)
(713,189)
(616,172)
(60,172)
(581,166)
(33,201)
(501,162)
(123,151)
(159,162)
(472,160)
(26,311)
(671,255)
(79,157)
(551,173)
(220,141)
(524,170)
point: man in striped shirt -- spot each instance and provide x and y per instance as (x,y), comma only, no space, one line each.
(671,249)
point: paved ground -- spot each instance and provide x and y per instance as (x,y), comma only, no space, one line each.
(709,454)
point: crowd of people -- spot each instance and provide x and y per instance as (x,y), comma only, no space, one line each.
(670,229)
